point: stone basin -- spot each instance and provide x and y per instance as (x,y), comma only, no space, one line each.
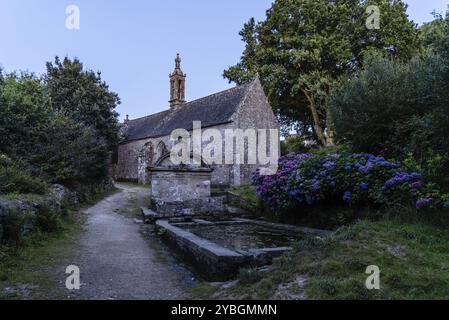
(218,249)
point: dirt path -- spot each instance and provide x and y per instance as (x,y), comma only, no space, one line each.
(115,260)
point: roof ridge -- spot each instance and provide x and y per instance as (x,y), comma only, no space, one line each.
(248,84)
(219,92)
(150,115)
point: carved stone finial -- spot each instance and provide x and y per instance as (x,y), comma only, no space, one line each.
(177,62)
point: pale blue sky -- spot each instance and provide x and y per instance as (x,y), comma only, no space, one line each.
(134,42)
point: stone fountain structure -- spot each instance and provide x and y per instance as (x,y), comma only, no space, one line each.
(184,190)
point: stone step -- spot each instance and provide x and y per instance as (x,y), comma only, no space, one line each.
(149,215)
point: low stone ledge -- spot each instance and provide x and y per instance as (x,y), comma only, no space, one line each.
(214,261)
(212,205)
(148,215)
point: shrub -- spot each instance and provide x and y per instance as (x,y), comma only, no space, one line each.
(15,179)
(14,221)
(74,155)
(305,180)
(47,219)
(294,144)
(395,109)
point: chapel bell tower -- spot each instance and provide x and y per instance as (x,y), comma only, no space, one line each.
(177,85)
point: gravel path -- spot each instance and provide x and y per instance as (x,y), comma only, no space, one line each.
(115,260)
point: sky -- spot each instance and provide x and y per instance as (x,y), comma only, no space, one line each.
(134,42)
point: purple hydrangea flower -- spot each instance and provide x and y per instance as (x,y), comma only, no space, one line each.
(347,196)
(315,184)
(364,185)
(416,185)
(400,177)
(416,175)
(422,203)
(366,167)
(329,164)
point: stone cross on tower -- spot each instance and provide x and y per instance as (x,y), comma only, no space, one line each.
(177,84)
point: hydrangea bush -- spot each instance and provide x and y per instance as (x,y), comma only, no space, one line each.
(354,179)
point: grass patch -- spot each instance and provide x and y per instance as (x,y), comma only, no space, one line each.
(203,291)
(247,192)
(413,261)
(148,233)
(249,275)
(39,253)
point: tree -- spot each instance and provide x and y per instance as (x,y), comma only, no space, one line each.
(83,96)
(25,113)
(435,35)
(398,109)
(75,153)
(303,48)
(59,134)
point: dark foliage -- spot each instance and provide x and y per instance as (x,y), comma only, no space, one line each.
(61,129)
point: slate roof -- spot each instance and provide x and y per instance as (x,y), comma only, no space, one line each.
(212,110)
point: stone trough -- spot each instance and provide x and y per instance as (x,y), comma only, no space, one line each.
(221,259)
(203,227)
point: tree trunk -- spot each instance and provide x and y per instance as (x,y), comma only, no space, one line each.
(330,128)
(316,119)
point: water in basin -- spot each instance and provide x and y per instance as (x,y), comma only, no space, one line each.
(244,236)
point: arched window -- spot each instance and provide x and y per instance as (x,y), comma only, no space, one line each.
(161,150)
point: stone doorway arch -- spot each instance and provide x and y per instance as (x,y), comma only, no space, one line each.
(164,162)
(161,150)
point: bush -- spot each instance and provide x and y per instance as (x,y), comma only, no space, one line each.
(294,144)
(74,155)
(395,109)
(14,221)
(305,180)
(16,179)
(47,219)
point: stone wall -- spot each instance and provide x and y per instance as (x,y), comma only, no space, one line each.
(135,156)
(184,192)
(180,185)
(215,205)
(130,168)
(256,113)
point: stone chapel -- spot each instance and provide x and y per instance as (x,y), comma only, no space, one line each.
(146,141)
